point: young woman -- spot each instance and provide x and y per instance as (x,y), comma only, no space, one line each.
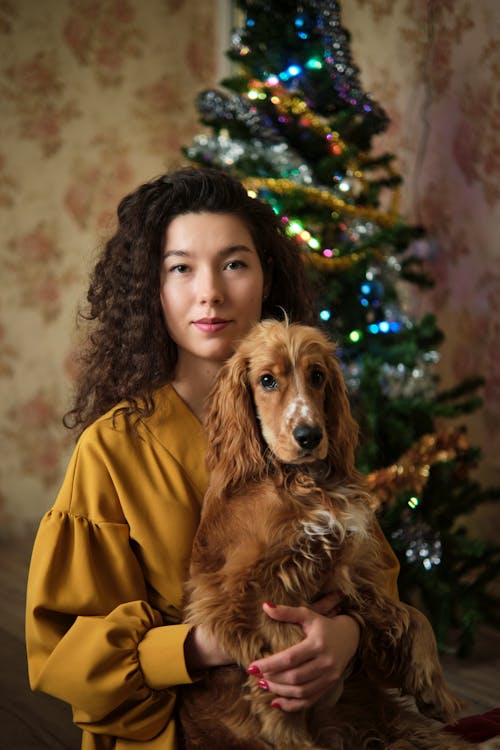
(193,264)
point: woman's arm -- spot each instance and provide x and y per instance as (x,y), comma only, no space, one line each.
(87,619)
(93,639)
(201,651)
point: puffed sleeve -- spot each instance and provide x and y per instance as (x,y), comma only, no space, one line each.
(88,616)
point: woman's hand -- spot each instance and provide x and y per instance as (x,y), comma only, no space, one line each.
(301,674)
(201,650)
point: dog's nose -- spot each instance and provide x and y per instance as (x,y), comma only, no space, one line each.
(308,436)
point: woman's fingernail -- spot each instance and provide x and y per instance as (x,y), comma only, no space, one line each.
(275,704)
(263,684)
(254,670)
(270,604)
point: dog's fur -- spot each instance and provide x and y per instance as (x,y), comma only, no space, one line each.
(286,519)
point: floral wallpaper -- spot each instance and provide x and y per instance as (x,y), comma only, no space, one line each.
(99,95)
(435,67)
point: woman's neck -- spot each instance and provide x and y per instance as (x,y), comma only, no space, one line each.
(193,384)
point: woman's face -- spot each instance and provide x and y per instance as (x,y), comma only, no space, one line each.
(212,285)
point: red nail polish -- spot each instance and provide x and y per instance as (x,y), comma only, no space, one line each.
(270,604)
(275,704)
(254,670)
(263,684)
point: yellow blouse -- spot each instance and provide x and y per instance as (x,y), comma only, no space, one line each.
(103,628)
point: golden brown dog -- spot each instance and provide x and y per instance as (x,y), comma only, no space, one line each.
(287,519)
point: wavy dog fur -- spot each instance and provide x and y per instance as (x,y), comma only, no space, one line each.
(286,519)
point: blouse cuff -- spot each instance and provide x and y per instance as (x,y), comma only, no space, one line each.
(161,656)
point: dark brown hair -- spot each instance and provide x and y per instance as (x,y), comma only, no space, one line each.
(129,354)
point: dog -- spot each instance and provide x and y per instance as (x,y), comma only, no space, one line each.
(286,519)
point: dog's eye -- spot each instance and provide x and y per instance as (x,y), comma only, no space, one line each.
(268,382)
(317,377)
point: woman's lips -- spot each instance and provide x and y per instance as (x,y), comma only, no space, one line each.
(211,325)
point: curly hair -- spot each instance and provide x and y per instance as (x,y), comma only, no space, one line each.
(128,353)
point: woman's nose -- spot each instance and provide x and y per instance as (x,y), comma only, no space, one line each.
(211,289)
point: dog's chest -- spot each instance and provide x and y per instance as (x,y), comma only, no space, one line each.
(324,532)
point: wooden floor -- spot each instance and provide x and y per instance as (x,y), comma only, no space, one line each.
(30,721)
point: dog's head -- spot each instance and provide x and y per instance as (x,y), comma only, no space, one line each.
(281,399)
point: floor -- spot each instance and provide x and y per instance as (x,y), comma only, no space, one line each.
(33,721)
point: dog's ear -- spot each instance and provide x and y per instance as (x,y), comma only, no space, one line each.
(235,449)
(343,429)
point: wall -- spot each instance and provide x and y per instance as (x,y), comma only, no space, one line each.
(99,95)
(435,67)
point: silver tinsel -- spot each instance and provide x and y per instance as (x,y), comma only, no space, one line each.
(423,545)
(399,381)
(215,105)
(322,20)
(273,160)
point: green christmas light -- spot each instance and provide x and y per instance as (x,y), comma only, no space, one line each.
(314,64)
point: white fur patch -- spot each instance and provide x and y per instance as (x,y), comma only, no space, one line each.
(327,524)
(324,524)
(297,409)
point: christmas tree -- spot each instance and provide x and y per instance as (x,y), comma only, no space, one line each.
(295,124)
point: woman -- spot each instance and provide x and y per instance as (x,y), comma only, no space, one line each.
(193,264)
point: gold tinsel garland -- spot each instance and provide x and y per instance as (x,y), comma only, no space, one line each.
(319,197)
(288,104)
(297,107)
(337,265)
(411,472)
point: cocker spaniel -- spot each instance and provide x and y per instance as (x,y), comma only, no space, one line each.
(287,519)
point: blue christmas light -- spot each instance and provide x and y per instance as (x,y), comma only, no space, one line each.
(384,327)
(250,22)
(325,315)
(294,70)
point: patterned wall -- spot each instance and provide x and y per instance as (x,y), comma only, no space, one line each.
(435,67)
(98,95)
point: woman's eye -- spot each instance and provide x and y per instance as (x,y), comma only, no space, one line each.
(268,382)
(180,268)
(235,264)
(317,378)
